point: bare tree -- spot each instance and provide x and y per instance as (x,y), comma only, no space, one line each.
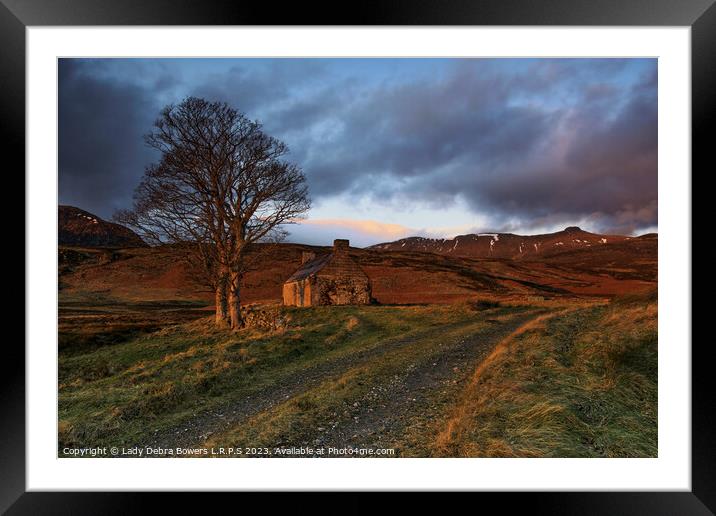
(222,185)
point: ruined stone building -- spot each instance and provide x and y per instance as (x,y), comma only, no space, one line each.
(329,279)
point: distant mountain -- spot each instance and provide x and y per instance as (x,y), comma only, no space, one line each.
(80,228)
(505,245)
(397,277)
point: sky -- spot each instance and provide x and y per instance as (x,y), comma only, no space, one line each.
(394,147)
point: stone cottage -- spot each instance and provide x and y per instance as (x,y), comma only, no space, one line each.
(329,279)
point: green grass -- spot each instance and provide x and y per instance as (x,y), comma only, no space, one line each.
(582,385)
(120,394)
(296,420)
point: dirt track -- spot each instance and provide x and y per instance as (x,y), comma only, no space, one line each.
(382,416)
(416,397)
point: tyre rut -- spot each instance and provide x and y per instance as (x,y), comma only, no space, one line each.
(197,429)
(379,419)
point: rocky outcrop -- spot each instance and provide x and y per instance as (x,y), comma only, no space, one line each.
(79,228)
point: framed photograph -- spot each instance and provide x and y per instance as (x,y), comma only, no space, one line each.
(416,250)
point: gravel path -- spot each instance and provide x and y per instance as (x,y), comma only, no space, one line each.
(416,396)
(194,431)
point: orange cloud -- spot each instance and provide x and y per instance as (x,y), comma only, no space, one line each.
(388,231)
(368,227)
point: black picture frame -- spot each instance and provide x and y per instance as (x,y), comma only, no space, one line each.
(700,15)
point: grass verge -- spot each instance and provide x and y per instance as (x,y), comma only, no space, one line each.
(122,394)
(583,383)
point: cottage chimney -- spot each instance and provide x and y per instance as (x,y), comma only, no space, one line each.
(307,256)
(340,246)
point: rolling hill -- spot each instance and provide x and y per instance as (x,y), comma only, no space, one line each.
(397,276)
(77,227)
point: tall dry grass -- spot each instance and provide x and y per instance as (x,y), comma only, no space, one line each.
(578,383)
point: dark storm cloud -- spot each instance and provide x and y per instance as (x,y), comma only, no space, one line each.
(584,165)
(289,97)
(492,141)
(263,88)
(101,126)
(527,142)
(596,163)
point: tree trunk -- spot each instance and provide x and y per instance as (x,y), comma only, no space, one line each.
(222,313)
(235,301)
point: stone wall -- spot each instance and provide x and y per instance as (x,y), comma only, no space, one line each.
(327,290)
(265,317)
(342,291)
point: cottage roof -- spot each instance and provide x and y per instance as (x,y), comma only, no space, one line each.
(310,267)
